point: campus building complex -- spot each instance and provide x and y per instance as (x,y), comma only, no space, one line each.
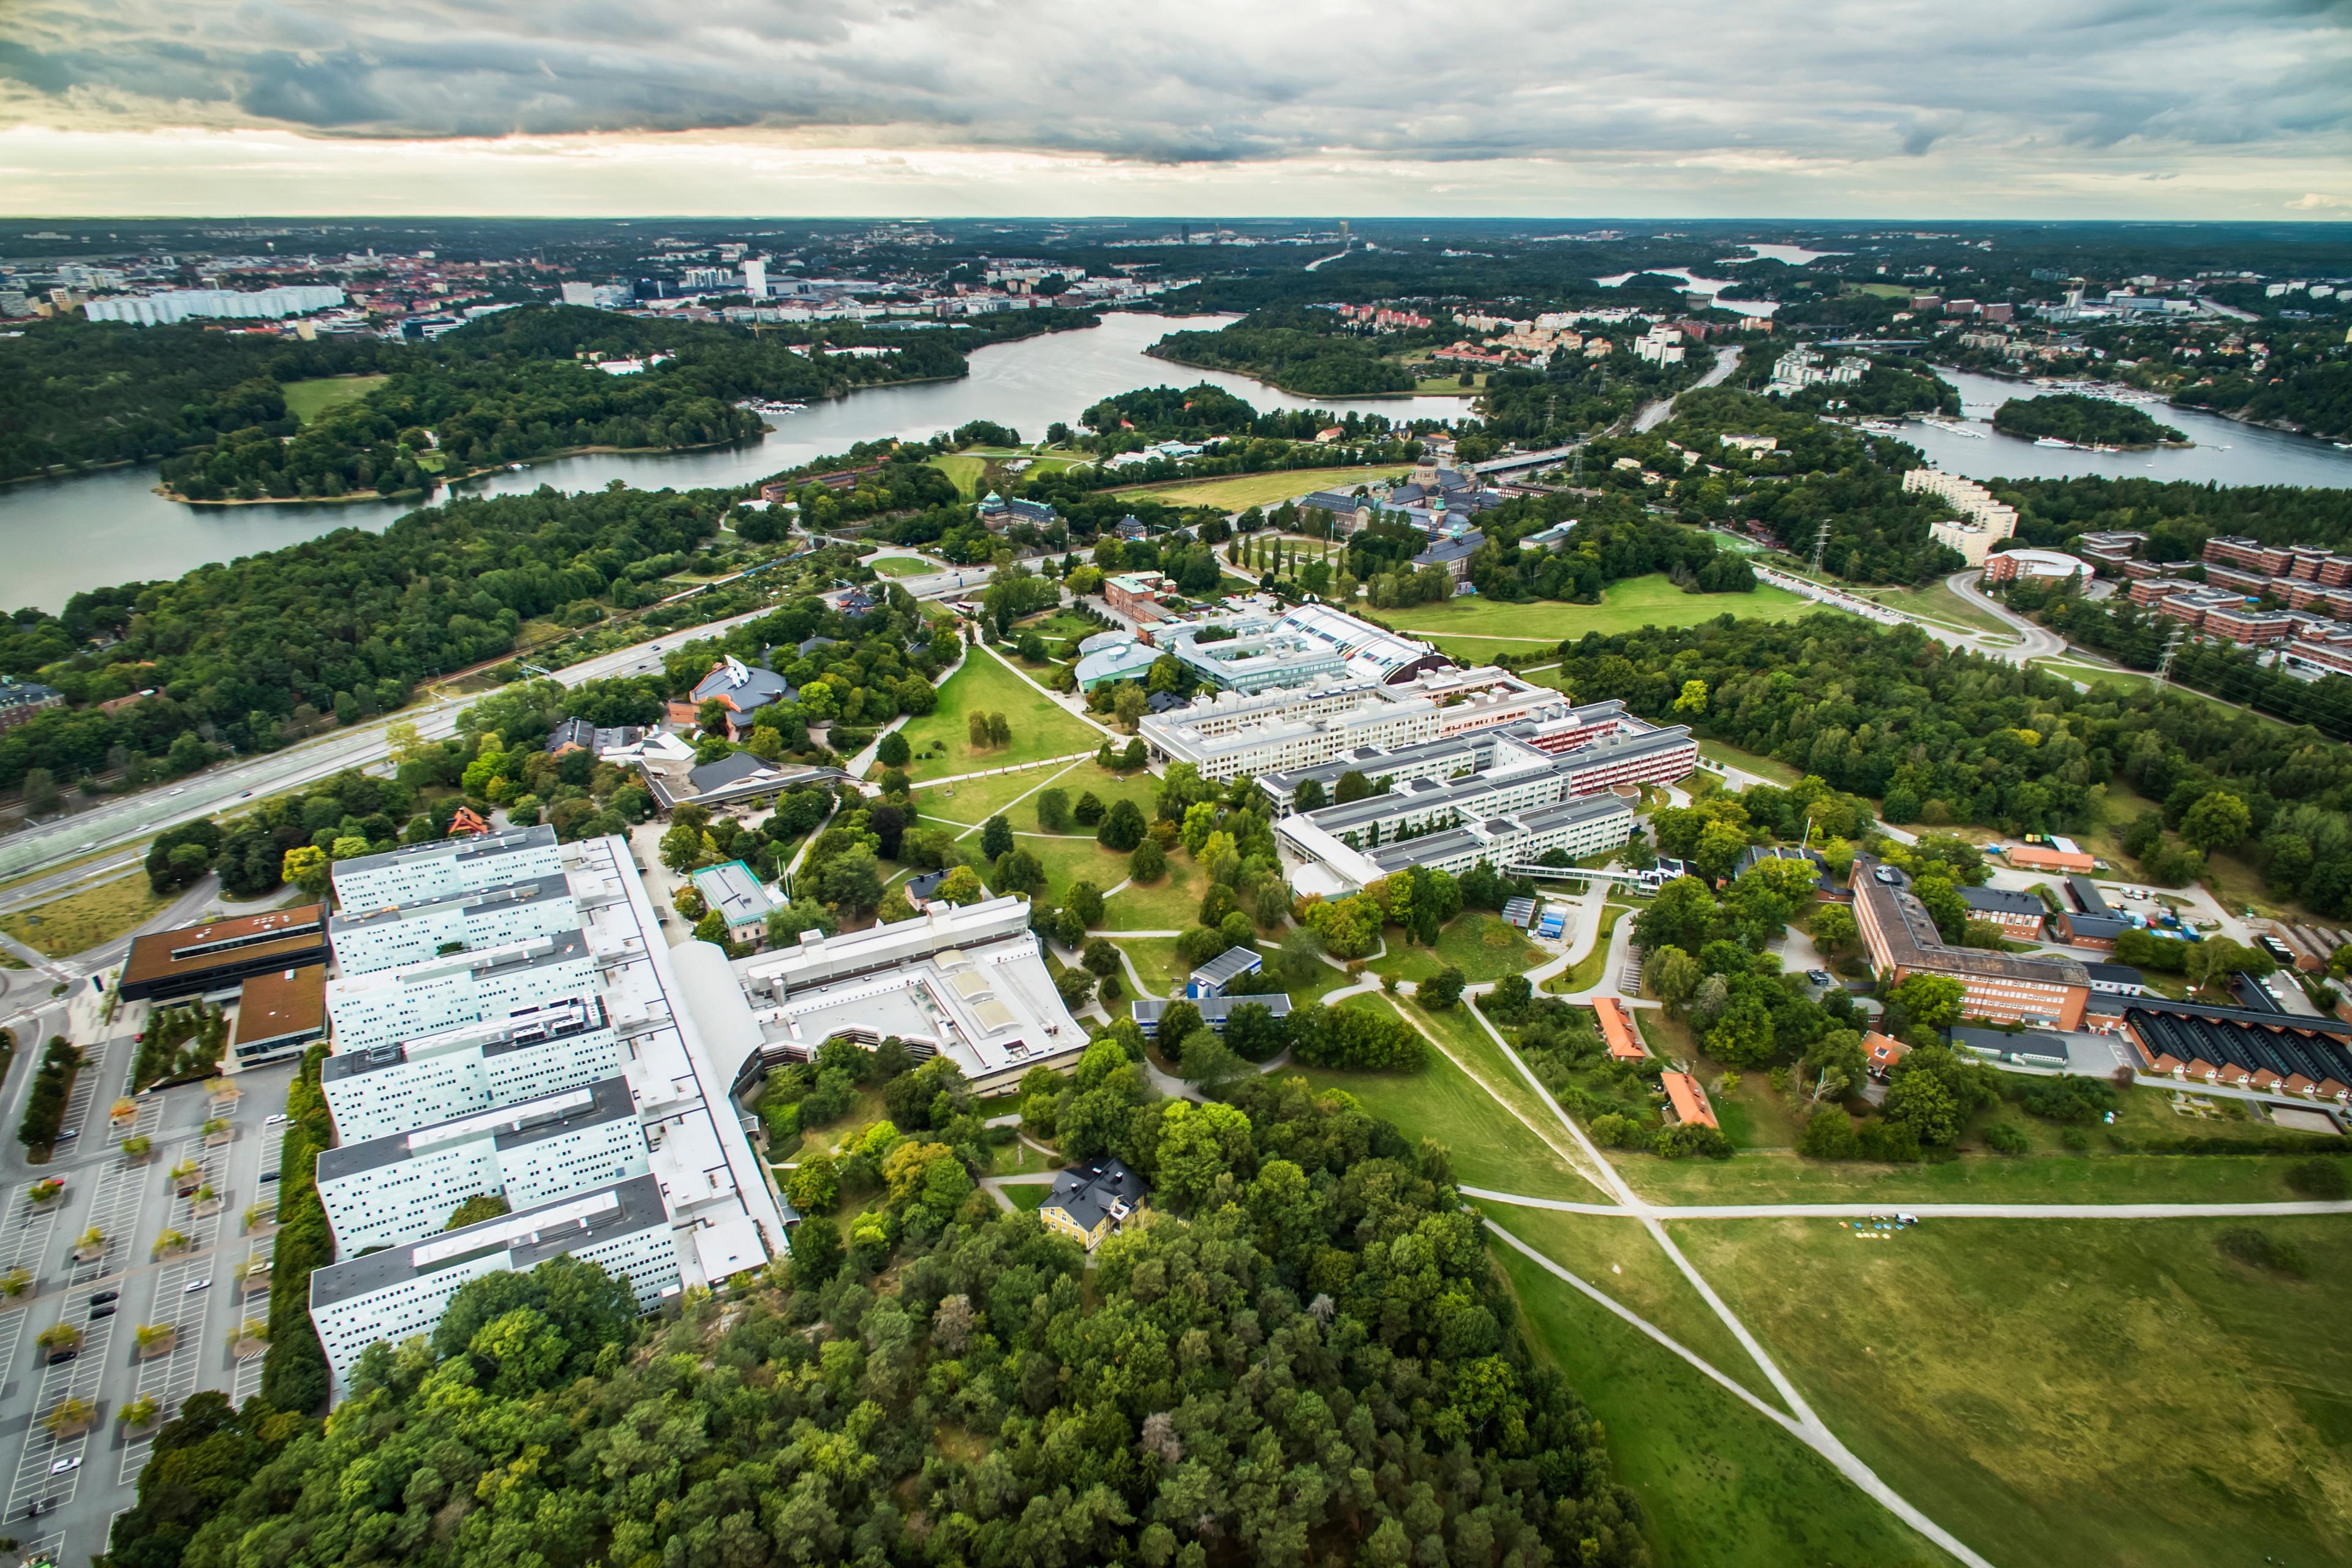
(2006,988)
(1293,729)
(563,1071)
(1511,794)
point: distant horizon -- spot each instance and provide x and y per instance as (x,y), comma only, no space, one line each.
(1784,220)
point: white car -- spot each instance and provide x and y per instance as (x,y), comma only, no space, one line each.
(196,1285)
(182,789)
(273,1121)
(71,1462)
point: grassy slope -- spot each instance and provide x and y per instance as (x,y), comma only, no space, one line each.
(1625,606)
(1720,1486)
(1480,944)
(902,566)
(2100,1392)
(1040,729)
(1239,491)
(306,400)
(84,919)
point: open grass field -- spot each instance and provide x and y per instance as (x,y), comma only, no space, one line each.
(1773,1176)
(306,400)
(942,741)
(1763,767)
(1171,903)
(2110,1392)
(1720,1486)
(1933,602)
(1629,605)
(1442,1102)
(1624,1262)
(902,566)
(1029,1197)
(1237,493)
(1479,943)
(1056,623)
(80,919)
(1458,1031)
(1156,962)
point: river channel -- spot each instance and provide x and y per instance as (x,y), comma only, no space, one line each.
(65,535)
(62,536)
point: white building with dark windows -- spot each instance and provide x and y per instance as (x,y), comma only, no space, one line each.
(395,934)
(416,873)
(569,1075)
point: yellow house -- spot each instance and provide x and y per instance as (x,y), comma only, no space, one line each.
(1088,1201)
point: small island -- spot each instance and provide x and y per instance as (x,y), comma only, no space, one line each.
(2071,420)
(1284,349)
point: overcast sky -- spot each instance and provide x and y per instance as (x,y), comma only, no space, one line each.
(1669,107)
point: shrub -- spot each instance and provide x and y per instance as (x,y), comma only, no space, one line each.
(2259,1249)
(1149,862)
(2007,1138)
(2074,1099)
(2323,1179)
(1686,1139)
(1441,990)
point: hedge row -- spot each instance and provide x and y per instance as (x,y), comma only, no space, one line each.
(294,1374)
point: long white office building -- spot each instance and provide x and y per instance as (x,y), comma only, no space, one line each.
(401,1291)
(170,305)
(969,983)
(1330,866)
(517,1056)
(1232,736)
(586,1094)
(404,1186)
(367,939)
(418,873)
(417,999)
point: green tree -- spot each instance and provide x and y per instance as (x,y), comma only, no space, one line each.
(995,836)
(2218,821)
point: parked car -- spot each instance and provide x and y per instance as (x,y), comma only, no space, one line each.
(58,1358)
(71,1462)
(98,1312)
(193,1286)
(103,1297)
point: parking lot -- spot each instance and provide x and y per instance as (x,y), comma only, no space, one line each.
(64,1489)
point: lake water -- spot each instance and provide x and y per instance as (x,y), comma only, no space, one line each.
(1713,286)
(2225,451)
(62,536)
(1789,255)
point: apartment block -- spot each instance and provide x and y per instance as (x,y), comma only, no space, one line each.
(1971,500)
(394,1004)
(2112,548)
(416,873)
(2270,560)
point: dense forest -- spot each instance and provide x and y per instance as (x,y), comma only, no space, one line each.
(522,384)
(2180,515)
(1299,350)
(1944,737)
(508,387)
(1308,1354)
(344,625)
(1571,395)
(2306,385)
(2086,421)
(74,393)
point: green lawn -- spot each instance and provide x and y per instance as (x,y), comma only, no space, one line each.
(1156,962)
(1934,601)
(1040,728)
(1057,624)
(1623,1261)
(306,400)
(1629,605)
(1460,1033)
(81,920)
(1763,767)
(1773,1178)
(1489,1146)
(1484,946)
(902,566)
(964,471)
(1720,1486)
(1486,650)
(1171,903)
(1029,1196)
(2110,1392)
(1240,491)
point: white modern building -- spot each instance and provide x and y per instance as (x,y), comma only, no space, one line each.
(416,873)
(405,1187)
(401,1291)
(1971,500)
(519,1055)
(1284,730)
(234,304)
(969,983)
(586,1094)
(1330,866)
(392,1006)
(393,934)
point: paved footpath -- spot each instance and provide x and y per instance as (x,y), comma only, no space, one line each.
(1924,1210)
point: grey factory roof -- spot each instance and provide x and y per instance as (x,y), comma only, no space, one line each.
(512,1127)
(533,1236)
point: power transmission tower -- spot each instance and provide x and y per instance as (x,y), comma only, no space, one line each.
(1821,542)
(2164,665)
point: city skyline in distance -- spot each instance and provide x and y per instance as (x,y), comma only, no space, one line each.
(2146,109)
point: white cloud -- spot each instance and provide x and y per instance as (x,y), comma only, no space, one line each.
(1686,98)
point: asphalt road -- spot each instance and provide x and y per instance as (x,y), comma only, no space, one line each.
(1658,413)
(2039,641)
(80,1482)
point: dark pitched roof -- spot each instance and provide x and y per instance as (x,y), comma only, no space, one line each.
(2002,900)
(1090,1193)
